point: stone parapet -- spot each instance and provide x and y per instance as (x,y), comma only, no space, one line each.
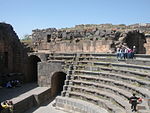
(28,101)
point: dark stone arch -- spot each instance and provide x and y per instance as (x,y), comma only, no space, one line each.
(57,83)
(134,38)
(32,68)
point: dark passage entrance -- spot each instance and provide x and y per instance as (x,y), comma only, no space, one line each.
(137,39)
(32,68)
(57,83)
(3,61)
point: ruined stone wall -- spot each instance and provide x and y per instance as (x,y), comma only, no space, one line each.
(103,46)
(11,52)
(46,71)
(147,44)
(88,39)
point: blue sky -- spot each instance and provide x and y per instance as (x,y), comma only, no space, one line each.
(26,15)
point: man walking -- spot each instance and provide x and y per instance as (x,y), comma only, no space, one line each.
(133,100)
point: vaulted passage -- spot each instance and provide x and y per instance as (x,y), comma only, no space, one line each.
(57,83)
(136,39)
(32,68)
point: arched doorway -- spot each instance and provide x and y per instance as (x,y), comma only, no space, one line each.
(32,68)
(57,83)
(134,38)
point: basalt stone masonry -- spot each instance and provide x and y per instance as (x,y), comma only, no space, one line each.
(147,44)
(12,54)
(97,39)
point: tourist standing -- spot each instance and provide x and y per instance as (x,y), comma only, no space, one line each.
(133,100)
(130,53)
(134,51)
(126,53)
(118,52)
(121,53)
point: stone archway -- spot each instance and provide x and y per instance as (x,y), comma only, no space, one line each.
(57,83)
(32,68)
(134,38)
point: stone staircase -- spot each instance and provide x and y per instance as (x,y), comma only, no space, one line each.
(105,83)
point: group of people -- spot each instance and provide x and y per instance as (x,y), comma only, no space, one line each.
(6,105)
(12,83)
(124,52)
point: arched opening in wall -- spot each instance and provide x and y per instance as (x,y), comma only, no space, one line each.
(136,39)
(49,38)
(57,83)
(32,68)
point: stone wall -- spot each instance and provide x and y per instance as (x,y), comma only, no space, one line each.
(12,54)
(88,39)
(147,44)
(82,46)
(46,71)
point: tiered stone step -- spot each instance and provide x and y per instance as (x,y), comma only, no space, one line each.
(103,87)
(100,79)
(93,92)
(138,68)
(137,61)
(118,77)
(111,107)
(61,56)
(142,92)
(124,94)
(140,59)
(119,84)
(77,105)
(101,94)
(136,74)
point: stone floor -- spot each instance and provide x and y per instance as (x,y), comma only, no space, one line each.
(9,93)
(45,108)
(12,93)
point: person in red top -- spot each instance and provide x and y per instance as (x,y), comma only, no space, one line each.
(130,53)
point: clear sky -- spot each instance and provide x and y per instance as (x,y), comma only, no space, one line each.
(26,15)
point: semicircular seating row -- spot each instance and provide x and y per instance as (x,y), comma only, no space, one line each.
(98,84)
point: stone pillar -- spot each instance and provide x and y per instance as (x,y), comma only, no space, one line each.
(147,44)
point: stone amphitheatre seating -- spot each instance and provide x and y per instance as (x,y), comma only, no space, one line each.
(103,82)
